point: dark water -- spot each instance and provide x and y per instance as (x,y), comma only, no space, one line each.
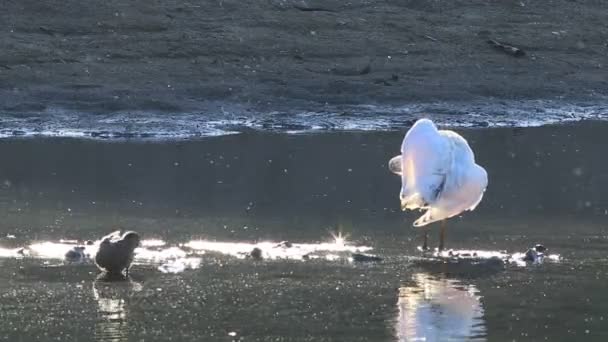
(547,185)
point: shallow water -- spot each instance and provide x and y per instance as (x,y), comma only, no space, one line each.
(201,205)
(226,120)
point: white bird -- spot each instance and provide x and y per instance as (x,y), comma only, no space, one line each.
(438,174)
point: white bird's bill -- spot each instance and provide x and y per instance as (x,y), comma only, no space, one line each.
(438,173)
(394,165)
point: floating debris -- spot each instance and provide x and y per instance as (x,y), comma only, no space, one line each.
(508,49)
(312,9)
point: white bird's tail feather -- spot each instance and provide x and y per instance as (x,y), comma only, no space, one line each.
(430,216)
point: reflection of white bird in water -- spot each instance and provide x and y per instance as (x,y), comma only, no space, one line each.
(436,309)
(438,174)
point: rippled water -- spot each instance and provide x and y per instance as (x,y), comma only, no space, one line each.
(203,205)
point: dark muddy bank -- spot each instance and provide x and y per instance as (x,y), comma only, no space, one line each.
(231,56)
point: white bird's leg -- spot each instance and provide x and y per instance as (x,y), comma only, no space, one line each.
(442,235)
(425,245)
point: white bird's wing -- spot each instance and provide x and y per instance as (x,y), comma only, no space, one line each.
(461,161)
(464,185)
(468,178)
(480,179)
(426,163)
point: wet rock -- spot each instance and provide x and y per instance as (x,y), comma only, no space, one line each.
(256,254)
(465,254)
(535,254)
(360,257)
(284,244)
(76,254)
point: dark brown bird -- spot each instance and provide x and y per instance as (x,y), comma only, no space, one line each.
(116,252)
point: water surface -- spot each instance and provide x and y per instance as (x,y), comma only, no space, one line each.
(202,204)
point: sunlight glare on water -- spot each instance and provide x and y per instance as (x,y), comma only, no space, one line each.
(112,300)
(188,256)
(279,250)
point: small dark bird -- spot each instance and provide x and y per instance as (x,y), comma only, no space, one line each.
(116,252)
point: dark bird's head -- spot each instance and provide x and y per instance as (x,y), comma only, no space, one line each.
(540,248)
(131,239)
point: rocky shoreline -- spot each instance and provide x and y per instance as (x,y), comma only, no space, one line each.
(250,55)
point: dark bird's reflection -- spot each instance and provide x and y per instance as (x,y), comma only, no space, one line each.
(439,309)
(112,298)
